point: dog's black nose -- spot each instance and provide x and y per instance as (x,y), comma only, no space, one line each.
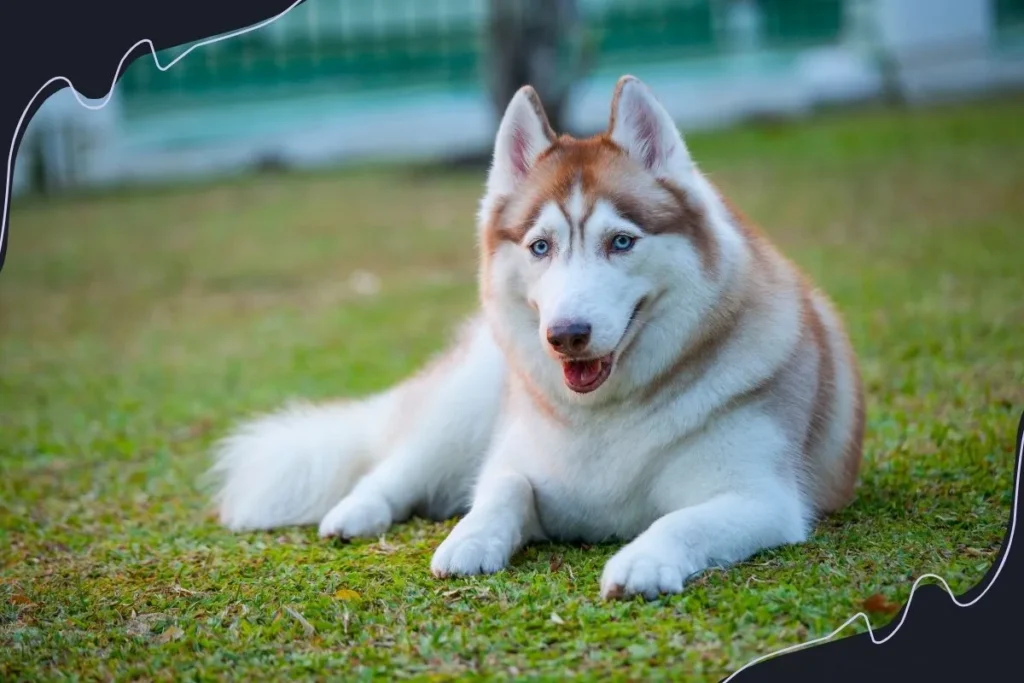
(569,338)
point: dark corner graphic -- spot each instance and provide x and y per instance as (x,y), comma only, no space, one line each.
(57,43)
(935,636)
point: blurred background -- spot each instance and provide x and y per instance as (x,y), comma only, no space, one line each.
(339,81)
(299,223)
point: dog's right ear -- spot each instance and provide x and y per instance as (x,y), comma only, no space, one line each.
(523,134)
(641,126)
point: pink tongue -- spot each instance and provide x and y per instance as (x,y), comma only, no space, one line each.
(581,373)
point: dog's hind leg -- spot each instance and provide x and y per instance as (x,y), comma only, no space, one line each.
(438,440)
(409,447)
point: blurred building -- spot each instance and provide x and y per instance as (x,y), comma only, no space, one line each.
(334,81)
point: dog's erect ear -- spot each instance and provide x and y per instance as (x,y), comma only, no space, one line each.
(523,134)
(640,125)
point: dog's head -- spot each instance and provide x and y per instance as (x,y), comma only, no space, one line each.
(586,241)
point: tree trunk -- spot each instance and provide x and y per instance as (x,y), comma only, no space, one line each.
(538,43)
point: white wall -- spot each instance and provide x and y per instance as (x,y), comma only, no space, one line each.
(69,131)
(942,47)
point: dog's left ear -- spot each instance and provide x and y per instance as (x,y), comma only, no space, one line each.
(640,125)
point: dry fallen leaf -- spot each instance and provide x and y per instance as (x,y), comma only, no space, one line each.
(171,633)
(557,619)
(346,595)
(878,604)
(556,563)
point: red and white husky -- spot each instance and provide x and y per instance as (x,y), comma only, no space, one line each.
(646,367)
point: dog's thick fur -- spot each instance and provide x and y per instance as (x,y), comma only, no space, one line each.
(731,419)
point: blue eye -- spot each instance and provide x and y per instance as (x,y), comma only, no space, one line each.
(623,242)
(539,248)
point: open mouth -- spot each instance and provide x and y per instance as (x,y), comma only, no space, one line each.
(586,375)
(583,376)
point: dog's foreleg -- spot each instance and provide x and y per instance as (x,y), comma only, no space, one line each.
(440,437)
(384,496)
(503,518)
(430,473)
(730,495)
(725,529)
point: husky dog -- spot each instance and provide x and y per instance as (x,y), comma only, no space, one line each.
(645,367)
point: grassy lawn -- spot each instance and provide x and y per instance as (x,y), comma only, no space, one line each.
(136,326)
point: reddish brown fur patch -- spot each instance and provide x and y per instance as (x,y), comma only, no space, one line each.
(535,395)
(762,279)
(854,452)
(554,174)
(540,401)
(688,217)
(603,171)
(824,399)
(839,487)
(836,488)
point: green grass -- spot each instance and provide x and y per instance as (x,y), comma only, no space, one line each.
(136,326)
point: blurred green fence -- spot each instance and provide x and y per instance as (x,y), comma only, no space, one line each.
(354,45)
(1009,19)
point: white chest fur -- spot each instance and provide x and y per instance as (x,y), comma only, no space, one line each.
(593,484)
(611,476)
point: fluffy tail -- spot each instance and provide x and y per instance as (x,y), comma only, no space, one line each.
(292,466)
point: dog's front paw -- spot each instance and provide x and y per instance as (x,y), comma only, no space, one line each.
(471,550)
(638,569)
(357,516)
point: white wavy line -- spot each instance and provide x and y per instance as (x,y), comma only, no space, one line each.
(906,610)
(106,98)
(265,22)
